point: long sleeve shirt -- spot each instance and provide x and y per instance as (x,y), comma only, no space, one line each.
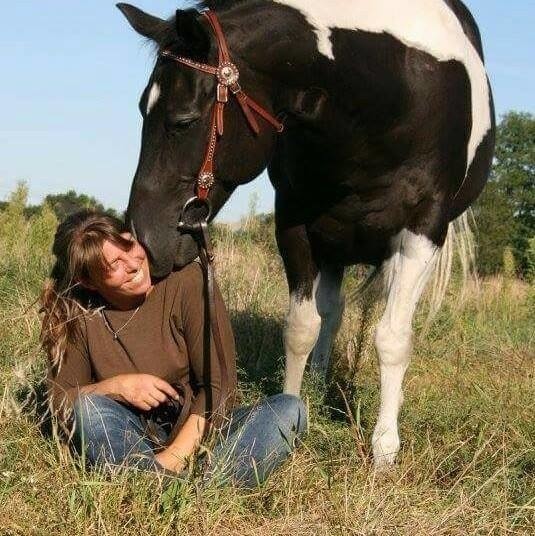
(164,338)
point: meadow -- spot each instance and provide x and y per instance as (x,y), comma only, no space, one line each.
(467,463)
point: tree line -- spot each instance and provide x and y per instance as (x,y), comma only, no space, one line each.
(504,214)
(65,204)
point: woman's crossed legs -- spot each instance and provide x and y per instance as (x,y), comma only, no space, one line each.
(256,441)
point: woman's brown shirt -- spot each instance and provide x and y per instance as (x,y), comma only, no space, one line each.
(164,338)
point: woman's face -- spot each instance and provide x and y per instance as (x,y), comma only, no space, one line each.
(127,281)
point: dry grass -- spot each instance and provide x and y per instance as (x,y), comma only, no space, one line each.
(467,461)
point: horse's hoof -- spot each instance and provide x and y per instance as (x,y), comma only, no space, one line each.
(385,443)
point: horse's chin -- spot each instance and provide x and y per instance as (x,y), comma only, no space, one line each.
(159,270)
(187,251)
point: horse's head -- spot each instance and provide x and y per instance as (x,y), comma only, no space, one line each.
(176,107)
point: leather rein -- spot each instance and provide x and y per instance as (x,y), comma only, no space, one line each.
(227,75)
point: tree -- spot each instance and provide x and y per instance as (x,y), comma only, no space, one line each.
(65,204)
(495,222)
(506,211)
(514,171)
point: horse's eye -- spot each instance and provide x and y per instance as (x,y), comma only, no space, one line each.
(179,123)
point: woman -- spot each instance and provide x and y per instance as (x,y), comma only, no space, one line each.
(122,348)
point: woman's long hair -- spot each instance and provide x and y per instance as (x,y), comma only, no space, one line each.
(78,250)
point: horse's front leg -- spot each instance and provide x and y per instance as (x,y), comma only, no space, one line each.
(303,321)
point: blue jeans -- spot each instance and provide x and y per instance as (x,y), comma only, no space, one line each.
(248,449)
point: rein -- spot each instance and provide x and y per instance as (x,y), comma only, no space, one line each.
(227,75)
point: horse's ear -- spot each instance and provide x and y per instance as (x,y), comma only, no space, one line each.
(192,35)
(143,23)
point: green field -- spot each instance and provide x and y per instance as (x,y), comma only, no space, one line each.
(467,464)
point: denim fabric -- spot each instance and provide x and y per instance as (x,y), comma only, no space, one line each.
(255,441)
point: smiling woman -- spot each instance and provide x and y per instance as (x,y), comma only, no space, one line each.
(130,379)
(123,278)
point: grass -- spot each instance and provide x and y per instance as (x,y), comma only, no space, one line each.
(467,462)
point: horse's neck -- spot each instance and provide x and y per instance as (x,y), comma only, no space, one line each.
(278,48)
(263,33)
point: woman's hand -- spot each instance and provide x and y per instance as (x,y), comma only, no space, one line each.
(171,462)
(174,457)
(143,391)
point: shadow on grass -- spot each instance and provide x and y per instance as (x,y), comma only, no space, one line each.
(260,354)
(261,365)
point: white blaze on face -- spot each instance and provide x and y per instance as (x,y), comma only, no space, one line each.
(426,25)
(154,95)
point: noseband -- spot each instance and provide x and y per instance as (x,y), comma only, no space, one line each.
(227,75)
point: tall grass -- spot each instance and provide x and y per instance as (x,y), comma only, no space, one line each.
(467,461)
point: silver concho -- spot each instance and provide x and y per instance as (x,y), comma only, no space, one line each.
(228,74)
(205,180)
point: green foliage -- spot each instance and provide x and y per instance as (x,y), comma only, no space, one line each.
(65,204)
(509,265)
(25,242)
(530,258)
(494,215)
(514,168)
(62,205)
(506,210)
(258,229)
(12,220)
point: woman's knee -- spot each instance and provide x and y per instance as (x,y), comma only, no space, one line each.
(90,409)
(265,439)
(289,409)
(95,417)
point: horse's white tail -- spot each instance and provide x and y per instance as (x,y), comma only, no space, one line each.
(460,240)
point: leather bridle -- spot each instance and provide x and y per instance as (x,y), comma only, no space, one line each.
(227,75)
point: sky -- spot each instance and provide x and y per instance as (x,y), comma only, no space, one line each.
(72,73)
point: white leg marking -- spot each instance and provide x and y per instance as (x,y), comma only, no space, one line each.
(330,305)
(406,274)
(427,25)
(300,334)
(154,95)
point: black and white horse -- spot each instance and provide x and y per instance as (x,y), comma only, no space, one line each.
(389,138)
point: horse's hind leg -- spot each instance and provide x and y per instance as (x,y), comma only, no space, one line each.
(406,274)
(330,306)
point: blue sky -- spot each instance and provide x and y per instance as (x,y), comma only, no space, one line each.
(72,73)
